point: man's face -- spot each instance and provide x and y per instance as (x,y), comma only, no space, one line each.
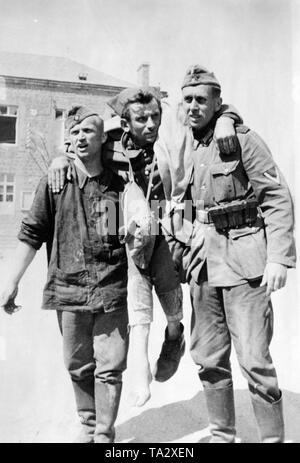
(200,105)
(87,137)
(144,122)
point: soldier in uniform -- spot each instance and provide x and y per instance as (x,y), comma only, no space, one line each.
(238,254)
(87,276)
(140,111)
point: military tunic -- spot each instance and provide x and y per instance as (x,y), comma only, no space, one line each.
(238,254)
(225,271)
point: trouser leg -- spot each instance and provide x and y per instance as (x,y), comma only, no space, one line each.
(140,298)
(110,351)
(250,319)
(210,350)
(77,329)
(166,281)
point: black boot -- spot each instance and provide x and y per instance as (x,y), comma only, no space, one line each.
(171,352)
(269,418)
(220,407)
(84,396)
(107,397)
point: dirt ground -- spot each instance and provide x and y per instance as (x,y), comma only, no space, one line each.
(36,397)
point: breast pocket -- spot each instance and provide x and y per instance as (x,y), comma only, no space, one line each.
(228,181)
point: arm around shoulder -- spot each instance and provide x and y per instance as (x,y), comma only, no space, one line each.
(58,172)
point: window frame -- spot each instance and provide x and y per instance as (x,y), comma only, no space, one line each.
(8,207)
(60,144)
(16,116)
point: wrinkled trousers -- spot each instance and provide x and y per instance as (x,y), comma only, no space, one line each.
(242,314)
(95,349)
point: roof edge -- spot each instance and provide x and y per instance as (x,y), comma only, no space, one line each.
(59,83)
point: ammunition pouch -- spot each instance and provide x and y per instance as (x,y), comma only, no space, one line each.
(239,213)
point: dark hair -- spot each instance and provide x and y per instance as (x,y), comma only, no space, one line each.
(142,97)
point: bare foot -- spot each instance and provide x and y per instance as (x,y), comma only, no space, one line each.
(140,393)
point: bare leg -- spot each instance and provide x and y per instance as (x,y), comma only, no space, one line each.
(138,364)
(174,330)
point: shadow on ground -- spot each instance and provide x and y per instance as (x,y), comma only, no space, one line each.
(177,421)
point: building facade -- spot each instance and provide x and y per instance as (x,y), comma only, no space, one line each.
(35,92)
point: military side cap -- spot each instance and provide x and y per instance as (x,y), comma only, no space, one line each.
(199,75)
(129,95)
(77,114)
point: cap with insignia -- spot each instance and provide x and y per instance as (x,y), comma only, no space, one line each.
(77,114)
(130,95)
(199,75)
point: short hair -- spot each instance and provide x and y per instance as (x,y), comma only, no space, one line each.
(142,97)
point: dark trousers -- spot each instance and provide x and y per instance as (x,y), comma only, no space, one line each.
(95,349)
(244,315)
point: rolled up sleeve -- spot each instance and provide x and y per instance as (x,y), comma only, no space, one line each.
(37,227)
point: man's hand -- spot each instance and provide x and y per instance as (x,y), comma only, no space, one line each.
(57,173)
(274,277)
(7,299)
(225,135)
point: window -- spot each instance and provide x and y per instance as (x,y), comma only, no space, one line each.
(59,114)
(8,122)
(7,193)
(59,127)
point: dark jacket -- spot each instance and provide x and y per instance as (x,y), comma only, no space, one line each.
(87,264)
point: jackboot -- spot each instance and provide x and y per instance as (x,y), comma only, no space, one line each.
(107,398)
(220,407)
(84,396)
(269,418)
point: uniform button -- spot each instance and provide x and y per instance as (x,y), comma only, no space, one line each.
(147,172)
(202,165)
(145,155)
(155,196)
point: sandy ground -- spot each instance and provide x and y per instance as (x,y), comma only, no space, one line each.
(36,397)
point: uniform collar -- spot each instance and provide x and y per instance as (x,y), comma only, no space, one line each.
(104,179)
(203,137)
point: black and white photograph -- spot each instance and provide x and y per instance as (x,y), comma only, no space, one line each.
(149,223)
